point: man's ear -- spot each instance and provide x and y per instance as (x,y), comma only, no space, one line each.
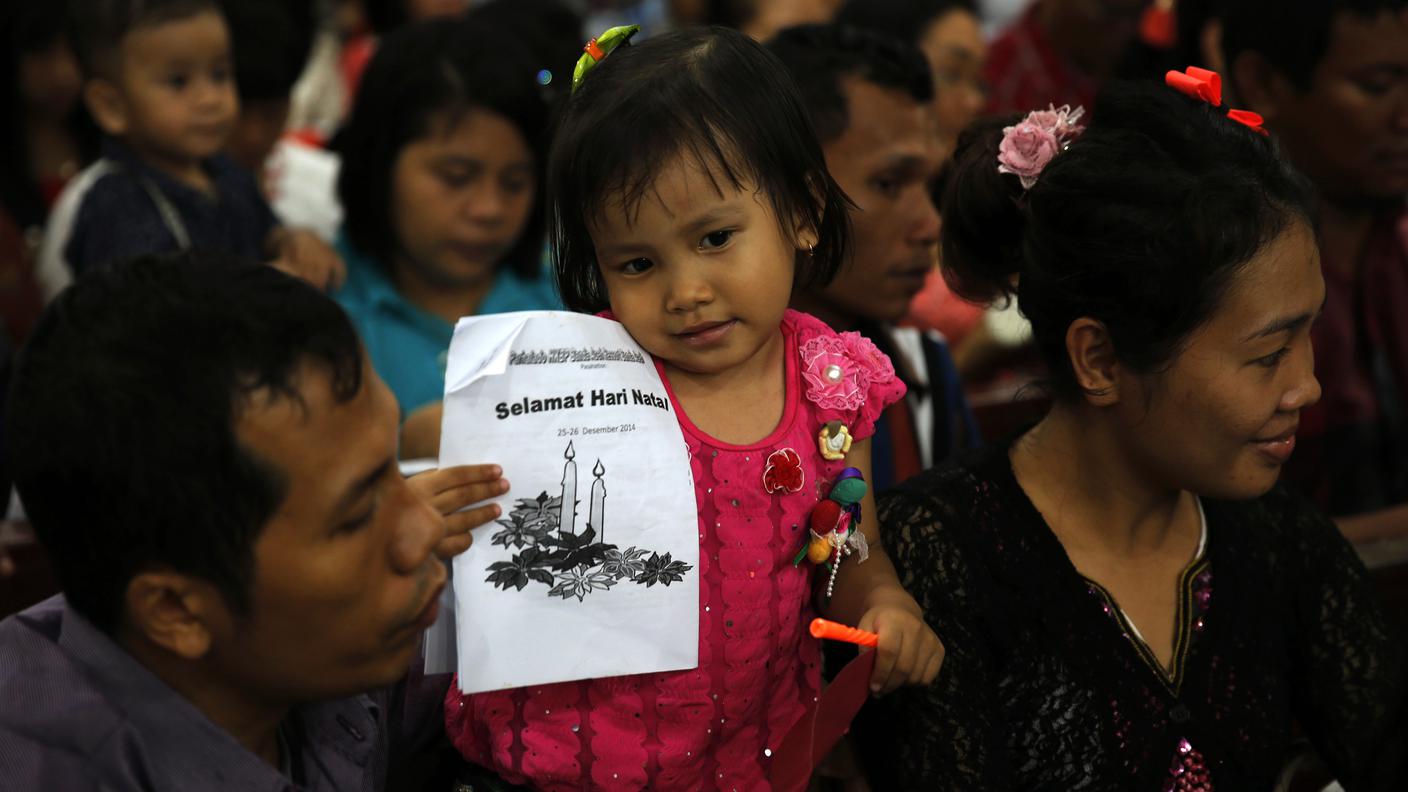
(1093,360)
(1259,86)
(107,104)
(174,611)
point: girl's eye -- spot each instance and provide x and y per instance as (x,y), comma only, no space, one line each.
(177,81)
(716,239)
(637,266)
(220,74)
(1273,360)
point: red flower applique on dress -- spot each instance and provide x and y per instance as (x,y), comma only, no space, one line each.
(784,472)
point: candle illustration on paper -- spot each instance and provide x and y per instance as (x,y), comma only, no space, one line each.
(569,491)
(598,542)
(598,501)
(547,549)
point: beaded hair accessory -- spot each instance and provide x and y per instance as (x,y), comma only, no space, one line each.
(1206,86)
(598,48)
(1029,146)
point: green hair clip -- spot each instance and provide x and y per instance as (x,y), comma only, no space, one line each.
(598,48)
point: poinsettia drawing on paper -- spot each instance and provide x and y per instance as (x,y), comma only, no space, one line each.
(546,546)
(660,569)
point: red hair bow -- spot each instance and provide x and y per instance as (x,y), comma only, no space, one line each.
(1206,86)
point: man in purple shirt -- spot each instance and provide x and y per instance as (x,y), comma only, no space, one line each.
(211,468)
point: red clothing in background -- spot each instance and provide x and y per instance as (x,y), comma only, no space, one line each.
(1024,72)
(1351,455)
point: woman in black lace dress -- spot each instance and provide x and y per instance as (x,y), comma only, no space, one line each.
(1127,600)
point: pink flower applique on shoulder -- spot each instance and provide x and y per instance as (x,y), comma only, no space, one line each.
(838,370)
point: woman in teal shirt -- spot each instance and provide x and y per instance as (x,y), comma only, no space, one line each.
(441,172)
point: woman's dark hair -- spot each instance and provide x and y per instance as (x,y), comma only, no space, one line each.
(711,94)
(386,16)
(272,40)
(550,31)
(906,20)
(729,13)
(1141,223)
(28,28)
(425,71)
(152,473)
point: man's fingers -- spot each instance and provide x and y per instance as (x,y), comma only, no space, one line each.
(451,501)
(451,546)
(462,522)
(450,490)
(433,482)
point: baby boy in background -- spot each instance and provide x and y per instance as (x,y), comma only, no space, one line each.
(160,83)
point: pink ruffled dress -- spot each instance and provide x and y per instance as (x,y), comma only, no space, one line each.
(715,726)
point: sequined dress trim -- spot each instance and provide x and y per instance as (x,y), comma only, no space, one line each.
(1194,583)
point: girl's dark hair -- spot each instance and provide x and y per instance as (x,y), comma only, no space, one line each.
(439,67)
(1141,223)
(711,94)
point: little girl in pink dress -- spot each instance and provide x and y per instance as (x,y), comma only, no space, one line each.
(689,193)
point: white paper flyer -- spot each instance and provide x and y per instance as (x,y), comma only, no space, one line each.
(592,571)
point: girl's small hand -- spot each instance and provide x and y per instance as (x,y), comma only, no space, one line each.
(450,490)
(909,653)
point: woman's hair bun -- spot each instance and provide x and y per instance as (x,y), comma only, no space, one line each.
(983,215)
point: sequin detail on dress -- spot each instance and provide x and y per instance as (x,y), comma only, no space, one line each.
(1189,772)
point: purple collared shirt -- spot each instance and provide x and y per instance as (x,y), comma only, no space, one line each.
(78,712)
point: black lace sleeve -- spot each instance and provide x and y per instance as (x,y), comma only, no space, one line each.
(1348,662)
(943,736)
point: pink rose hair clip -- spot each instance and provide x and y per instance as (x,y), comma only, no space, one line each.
(1029,146)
